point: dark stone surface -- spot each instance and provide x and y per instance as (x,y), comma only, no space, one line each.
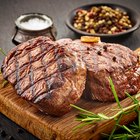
(11,131)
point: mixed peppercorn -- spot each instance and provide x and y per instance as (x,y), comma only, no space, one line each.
(102,20)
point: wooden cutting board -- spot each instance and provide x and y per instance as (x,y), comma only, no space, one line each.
(46,127)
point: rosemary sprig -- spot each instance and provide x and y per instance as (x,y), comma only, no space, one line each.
(87,117)
(5,82)
(1,50)
(100,116)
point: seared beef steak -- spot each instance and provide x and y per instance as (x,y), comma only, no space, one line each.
(52,75)
(46,74)
(104,60)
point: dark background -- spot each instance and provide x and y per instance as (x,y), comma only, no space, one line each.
(58,10)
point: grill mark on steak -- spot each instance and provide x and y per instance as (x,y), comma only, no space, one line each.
(30,44)
(52,76)
(42,96)
(43,51)
(50,86)
(95,59)
(34,60)
(17,87)
(57,62)
(59,70)
(47,78)
(8,58)
(47,84)
(65,70)
(31,76)
(100,65)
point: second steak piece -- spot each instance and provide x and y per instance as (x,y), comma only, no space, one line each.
(117,62)
(104,60)
(45,74)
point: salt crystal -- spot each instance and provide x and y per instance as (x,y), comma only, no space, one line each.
(36,24)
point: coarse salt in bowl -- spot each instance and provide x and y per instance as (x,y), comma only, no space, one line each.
(34,22)
(32,25)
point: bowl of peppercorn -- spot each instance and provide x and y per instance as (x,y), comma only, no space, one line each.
(103,20)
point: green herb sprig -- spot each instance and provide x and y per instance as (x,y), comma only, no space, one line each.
(5,82)
(87,117)
(1,50)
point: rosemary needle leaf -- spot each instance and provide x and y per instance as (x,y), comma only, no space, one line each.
(1,50)
(82,115)
(114,93)
(127,129)
(115,109)
(134,125)
(115,127)
(103,116)
(4,83)
(138,118)
(120,137)
(91,119)
(82,110)
(132,98)
(125,137)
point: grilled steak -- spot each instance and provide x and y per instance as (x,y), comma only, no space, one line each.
(51,75)
(104,60)
(46,74)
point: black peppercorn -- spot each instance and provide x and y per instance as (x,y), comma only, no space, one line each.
(99,52)
(138,59)
(114,58)
(88,48)
(105,48)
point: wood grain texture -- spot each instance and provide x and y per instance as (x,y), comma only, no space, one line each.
(46,127)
